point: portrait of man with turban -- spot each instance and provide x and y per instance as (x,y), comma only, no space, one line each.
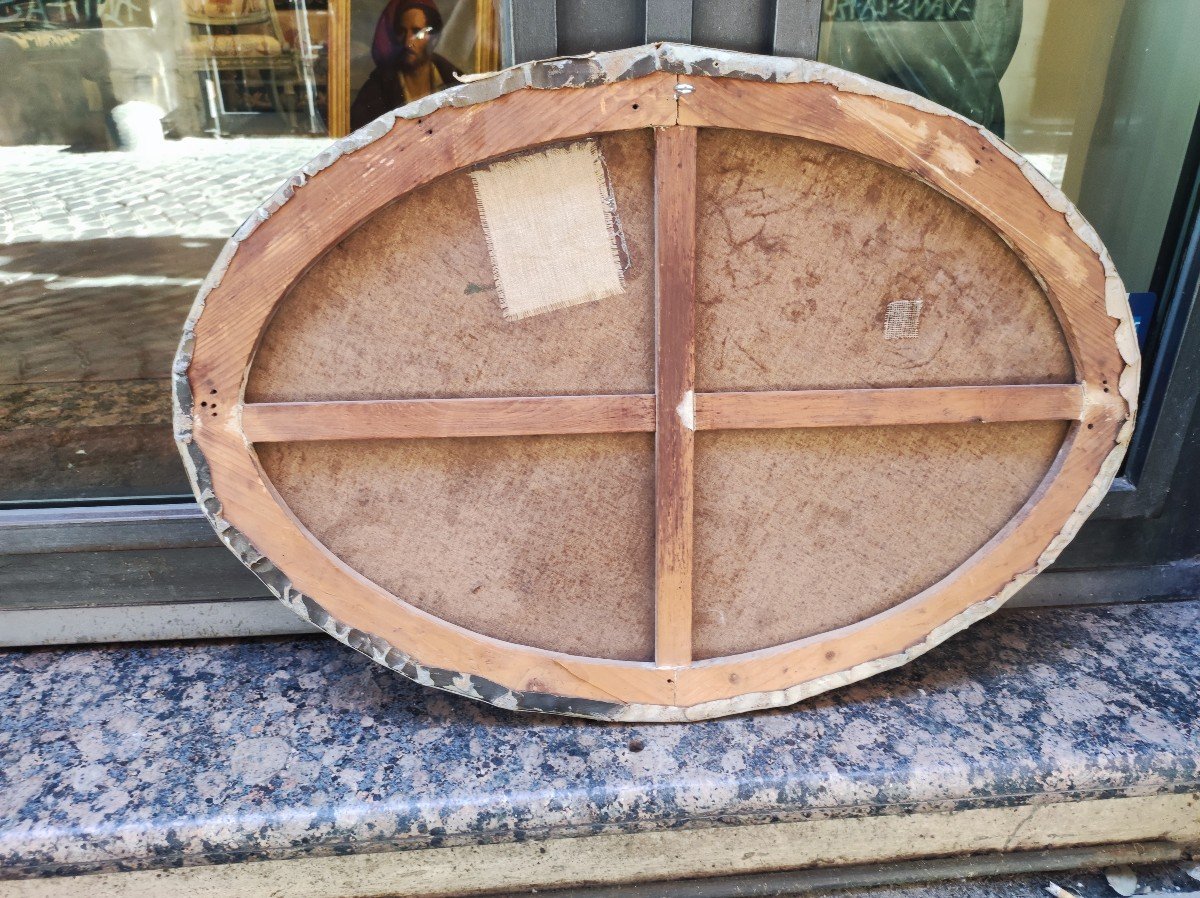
(406,68)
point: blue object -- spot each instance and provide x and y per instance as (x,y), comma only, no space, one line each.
(1142,305)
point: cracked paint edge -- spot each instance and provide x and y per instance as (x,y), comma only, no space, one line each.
(590,70)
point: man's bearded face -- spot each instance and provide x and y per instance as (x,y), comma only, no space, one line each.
(413,29)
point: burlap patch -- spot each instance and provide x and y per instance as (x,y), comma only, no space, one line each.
(550,222)
(902,321)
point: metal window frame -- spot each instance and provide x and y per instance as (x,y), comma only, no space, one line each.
(157,571)
(1171,367)
(530,27)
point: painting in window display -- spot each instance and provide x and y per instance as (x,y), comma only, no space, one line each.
(403,50)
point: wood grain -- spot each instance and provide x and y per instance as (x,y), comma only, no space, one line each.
(544,541)
(675,322)
(1013,550)
(522,416)
(419,418)
(329,209)
(337,87)
(859,408)
(949,155)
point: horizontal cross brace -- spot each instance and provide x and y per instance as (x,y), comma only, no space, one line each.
(386,419)
(890,406)
(526,416)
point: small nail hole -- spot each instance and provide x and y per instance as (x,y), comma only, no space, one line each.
(203,405)
(212,392)
(1090,426)
(1106,389)
(635,105)
(636,745)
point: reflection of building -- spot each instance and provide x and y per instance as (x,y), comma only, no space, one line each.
(240,47)
(952,51)
(69,63)
(56,88)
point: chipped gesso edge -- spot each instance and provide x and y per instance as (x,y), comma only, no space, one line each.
(584,71)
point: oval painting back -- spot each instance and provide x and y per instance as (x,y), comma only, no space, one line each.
(661,397)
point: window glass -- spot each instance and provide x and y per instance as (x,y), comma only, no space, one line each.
(135,136)
(1101,95)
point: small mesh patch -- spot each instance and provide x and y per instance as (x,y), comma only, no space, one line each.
(550,222)
(903,319)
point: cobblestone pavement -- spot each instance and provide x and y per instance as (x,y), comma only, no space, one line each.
(196,187)
(192,188)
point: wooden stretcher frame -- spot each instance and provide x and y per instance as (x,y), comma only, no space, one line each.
(217,430)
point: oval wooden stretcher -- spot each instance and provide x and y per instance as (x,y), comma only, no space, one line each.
(862,374)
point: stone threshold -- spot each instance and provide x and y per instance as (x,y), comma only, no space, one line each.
(295,766)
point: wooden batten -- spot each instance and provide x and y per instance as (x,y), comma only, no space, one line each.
(888,407)
(675,315)
(425,418)
(395,419)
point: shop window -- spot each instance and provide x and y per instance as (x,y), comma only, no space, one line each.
(136,135)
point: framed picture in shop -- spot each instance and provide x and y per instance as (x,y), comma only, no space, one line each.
(386,53)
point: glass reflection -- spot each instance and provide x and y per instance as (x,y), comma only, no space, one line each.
(115,197)
(1101,95)
(135,136)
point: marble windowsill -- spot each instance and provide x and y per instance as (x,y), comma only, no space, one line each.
(143,757)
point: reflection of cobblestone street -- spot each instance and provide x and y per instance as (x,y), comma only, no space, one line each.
(193,188)
(100,257)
